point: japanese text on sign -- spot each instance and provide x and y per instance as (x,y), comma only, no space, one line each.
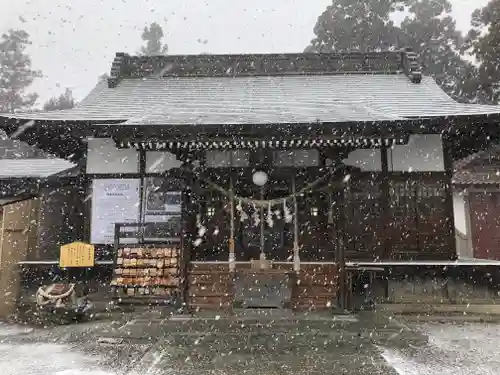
(76,254)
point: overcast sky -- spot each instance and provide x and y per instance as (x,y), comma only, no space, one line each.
(75,41)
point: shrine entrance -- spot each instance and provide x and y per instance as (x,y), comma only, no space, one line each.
(271,230)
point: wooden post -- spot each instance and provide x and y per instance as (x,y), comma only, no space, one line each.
(345,288)
(296,252)
(262,241)
(186,237)
(142,190)
(468,224)
(448,168)
(232,256)
(386,250)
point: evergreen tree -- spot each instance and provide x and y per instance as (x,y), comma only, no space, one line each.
(366,25)
(16,73)
(432,33)
(356,25)
(483,43)
(64,101)
(152,37)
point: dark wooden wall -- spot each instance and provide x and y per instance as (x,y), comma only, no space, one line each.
(408,217)
(417,223)
(60,218)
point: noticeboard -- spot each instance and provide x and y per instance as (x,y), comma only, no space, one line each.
(76,254)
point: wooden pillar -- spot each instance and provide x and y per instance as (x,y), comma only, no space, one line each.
(262,239)
(142,176)
(296,249)
(186,237)
(468,224)
(18,227)
(450,222)
(86,182)
(232,255)
(343,241)
(386,252)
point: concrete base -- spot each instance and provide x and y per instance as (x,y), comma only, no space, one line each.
(436,290)
(429,309)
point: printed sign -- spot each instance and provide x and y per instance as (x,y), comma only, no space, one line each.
(76,254)
(113,201)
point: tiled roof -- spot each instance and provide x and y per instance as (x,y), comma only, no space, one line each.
(480,168)
(264,99)
(477,158)
(295,99)
(476,178)
(37,168)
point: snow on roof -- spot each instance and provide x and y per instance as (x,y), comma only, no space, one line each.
(264,100)
(37,168)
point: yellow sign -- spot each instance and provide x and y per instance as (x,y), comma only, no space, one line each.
(76,254)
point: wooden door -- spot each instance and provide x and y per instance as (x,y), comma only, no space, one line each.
(485,224)
(18,238)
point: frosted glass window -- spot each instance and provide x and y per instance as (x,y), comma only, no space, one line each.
(158,161)
(104,157)
(423,153)
(368,160)
(296,158)
(283,158)
(218,159)
(226,159)
(240,158)
(306,158)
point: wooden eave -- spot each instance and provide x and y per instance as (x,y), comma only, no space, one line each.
(66,139)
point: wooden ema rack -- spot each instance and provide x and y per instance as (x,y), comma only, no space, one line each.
(146,273)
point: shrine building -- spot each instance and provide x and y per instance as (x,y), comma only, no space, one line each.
(207,175)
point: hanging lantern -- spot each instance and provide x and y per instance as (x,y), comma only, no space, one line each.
(260,178)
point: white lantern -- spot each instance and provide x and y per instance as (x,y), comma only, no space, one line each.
(259,178)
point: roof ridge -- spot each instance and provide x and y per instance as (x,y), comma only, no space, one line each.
(384,62)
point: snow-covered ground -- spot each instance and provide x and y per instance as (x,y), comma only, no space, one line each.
(466,349)
(42,358)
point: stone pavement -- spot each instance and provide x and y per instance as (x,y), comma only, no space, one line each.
(263,342)
(248,342)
